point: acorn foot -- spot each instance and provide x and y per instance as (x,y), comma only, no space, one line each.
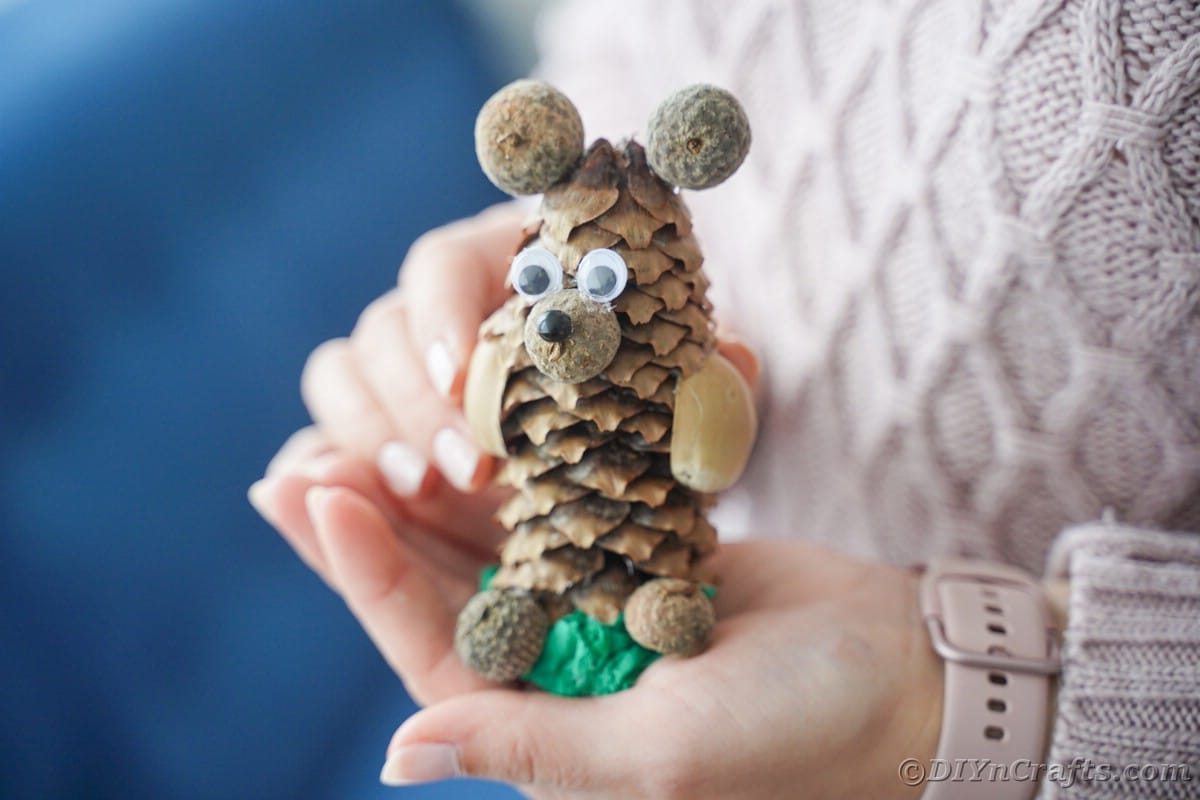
(670,616)
(500,634)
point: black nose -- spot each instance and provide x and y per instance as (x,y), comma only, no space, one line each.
(554,326)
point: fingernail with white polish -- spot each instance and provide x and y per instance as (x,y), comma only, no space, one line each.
(257,494)
(421,763)
(314,499)
(318,468)
(456,456)
(403,467)
(440,365)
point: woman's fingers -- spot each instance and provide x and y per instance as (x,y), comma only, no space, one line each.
(455,544)
(427,428)
(390,391)
(454,277)
(303,445)
(742,358)
(280,500)
(306,461)
(522,738)
(341,402)
(344,385)
(380,579)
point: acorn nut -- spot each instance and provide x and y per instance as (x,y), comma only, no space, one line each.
(528,136)
(589,340)
(670,616)
(714,427)
(698,137)
(483,395)
(500,634)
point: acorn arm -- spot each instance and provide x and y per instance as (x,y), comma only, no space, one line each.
(483,393)
(714,427)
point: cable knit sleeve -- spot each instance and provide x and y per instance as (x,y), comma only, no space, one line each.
(1129,695)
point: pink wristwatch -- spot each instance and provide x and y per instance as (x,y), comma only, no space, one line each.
(992,625)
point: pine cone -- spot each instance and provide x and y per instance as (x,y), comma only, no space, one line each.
(596,498)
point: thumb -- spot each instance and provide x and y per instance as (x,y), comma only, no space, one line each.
(452,278)
(745,361)
(742,357)
(519,738)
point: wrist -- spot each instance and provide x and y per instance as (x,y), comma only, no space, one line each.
(908,729)
(926,728)
(926,716)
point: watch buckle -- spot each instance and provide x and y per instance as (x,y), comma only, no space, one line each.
(1050,665)
(996,658)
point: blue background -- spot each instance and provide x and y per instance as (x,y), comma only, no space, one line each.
(192,196)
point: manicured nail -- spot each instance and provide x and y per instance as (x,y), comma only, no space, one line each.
(457,457)
(318,467)
(403,467)
(256,494)
(421,763)
(315,499)
(440,364)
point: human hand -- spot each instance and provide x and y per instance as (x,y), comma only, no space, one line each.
(406,557)
(389,395)
(389,392)
(402,572)
(389,427)
(819,680)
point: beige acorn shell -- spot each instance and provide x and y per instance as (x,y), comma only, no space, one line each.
(670,616)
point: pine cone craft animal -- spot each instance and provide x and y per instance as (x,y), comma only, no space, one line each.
(599,385)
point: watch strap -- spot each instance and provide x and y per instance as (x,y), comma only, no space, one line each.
(992,625)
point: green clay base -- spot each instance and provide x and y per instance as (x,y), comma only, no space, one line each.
(583,656)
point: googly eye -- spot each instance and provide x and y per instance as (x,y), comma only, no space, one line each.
(535,273)
(601,275)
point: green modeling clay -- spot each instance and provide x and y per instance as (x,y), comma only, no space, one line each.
(583,656)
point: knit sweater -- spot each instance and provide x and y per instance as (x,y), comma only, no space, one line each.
(966,245)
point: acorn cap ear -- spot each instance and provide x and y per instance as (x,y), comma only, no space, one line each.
(698,137)
(528,136)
